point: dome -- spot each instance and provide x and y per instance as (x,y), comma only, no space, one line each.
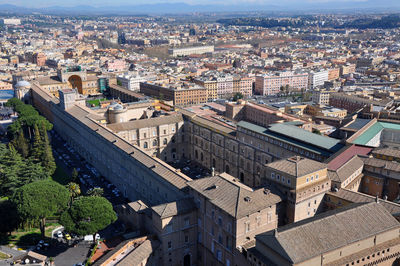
(22,84)
(118,107)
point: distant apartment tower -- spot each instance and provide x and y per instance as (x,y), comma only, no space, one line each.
(191,50)
(317,79)
(272,84)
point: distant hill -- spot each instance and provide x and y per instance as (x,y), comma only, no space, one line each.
(163,8)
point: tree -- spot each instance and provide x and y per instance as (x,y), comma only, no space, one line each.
(38,200)
(9,218)
(88,215)
(21,144)
(74,175)
(97,191)
(47,157)
(74,190)
(10,164)
(317,131)
(237,96)
(37,145)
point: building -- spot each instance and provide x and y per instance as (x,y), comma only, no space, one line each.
(181,94)
(229,215)
(354,103)
(304,183)
(317,79)
(130,82)
(158,136)
(191,50)
(321,97)
(70,77)
(376,242)
(272,84)
(11,21)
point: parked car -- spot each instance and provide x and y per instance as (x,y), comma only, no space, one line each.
(67,237)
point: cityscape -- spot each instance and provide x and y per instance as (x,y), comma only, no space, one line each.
(236,133)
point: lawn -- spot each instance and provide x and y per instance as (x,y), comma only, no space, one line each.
(61,176)
(95,102)
(26,238)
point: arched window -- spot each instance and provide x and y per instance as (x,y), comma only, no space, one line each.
(165,141)
(145,145)
(196,154)
(201,157)
(154,143)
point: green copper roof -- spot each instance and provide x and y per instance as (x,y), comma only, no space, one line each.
(297,137)
(375,129)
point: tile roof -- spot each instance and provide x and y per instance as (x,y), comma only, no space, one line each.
(378,163)
(174,208)
(233,197)
(387,152)
(358,197)
(297,166)
(142,252)
(143,123)
(342,156)
(312,237)
(346,170)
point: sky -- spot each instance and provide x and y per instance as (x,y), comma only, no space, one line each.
(99,3)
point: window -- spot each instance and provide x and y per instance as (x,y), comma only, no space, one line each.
(169,244)
(247,224)
(219,221)
(173,129)
(307,180)
(228,262)
(272,175)
(199,237)
(154,143)
(145,145)
(288,181)
(154,133)
(220,238)
(219,255)
(283,179)
(316,177)
(212,246)
(186,239)
(278,177)
(165,131)
(229,227)
(312,178)
(165,141)
(186,221)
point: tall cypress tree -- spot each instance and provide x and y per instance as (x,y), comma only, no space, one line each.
(47,157)
(21,144)
(37,146)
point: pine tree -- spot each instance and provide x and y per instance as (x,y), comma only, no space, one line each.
(11,163)
(47,157)
(37,146)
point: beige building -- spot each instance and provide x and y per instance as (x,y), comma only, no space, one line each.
(229,215)
(162,136)
(341,237)
(70,78)
(303,182)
